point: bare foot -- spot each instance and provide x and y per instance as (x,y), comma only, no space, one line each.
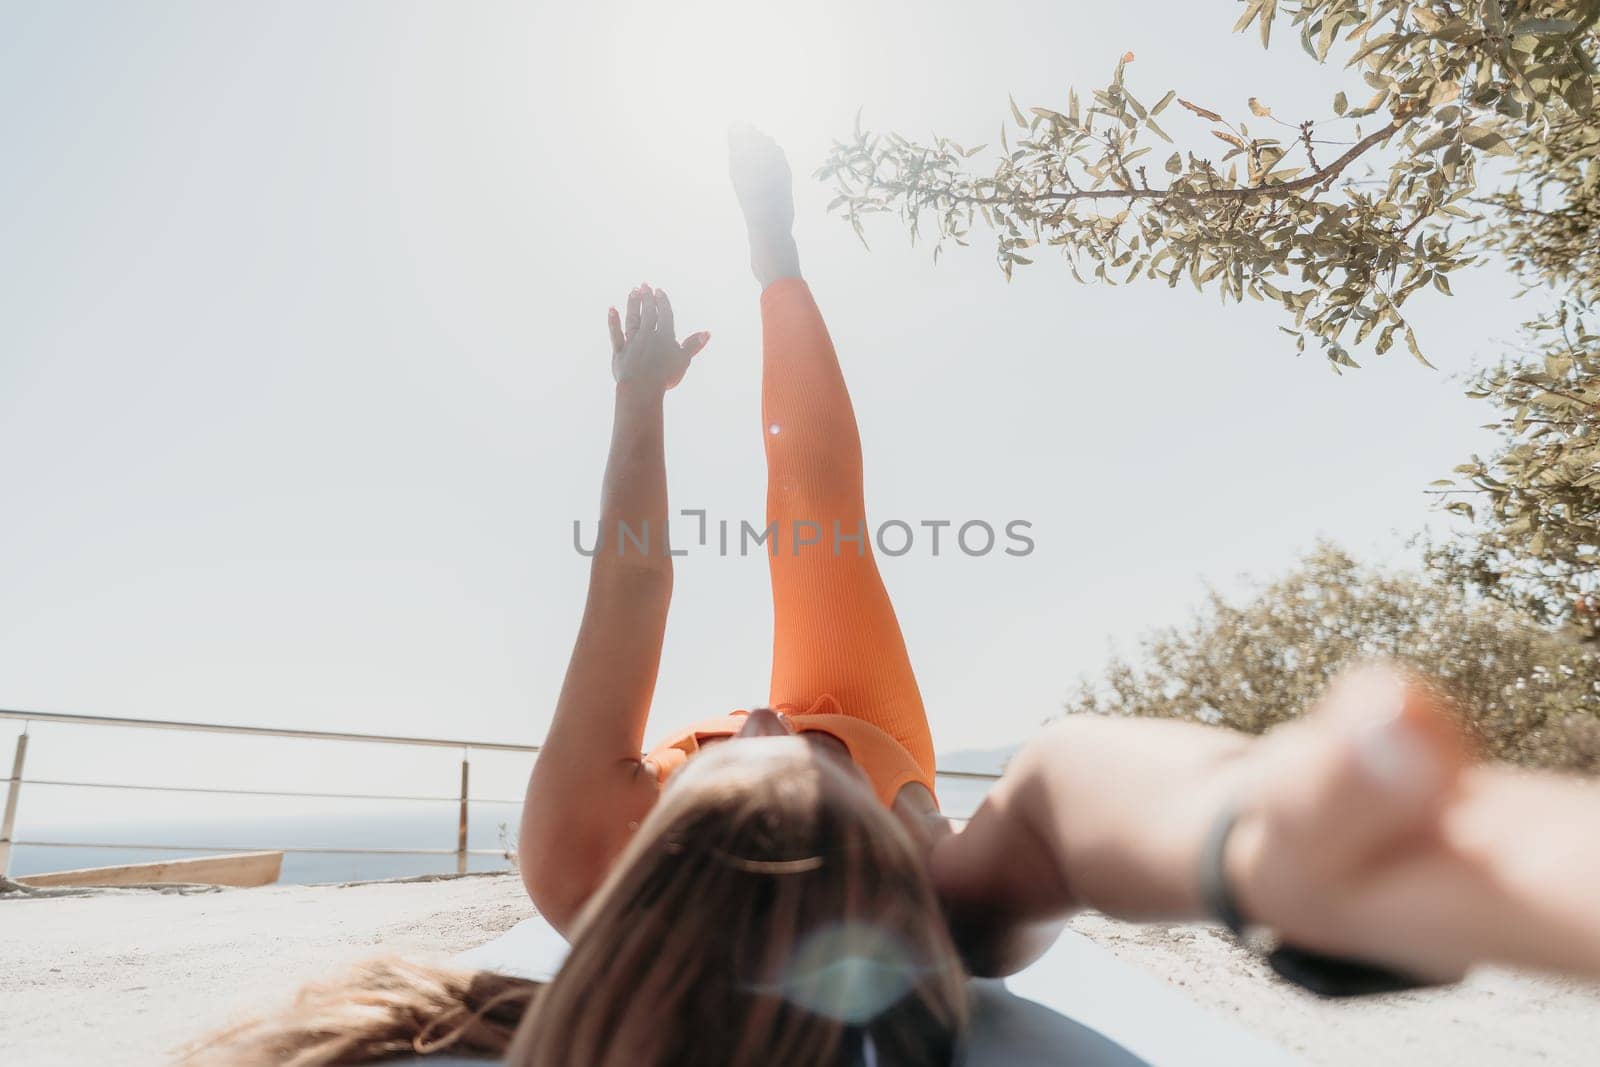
(764,185)
(1349,806)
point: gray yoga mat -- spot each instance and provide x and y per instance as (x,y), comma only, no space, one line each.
(1077,1005)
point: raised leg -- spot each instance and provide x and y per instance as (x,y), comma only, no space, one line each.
(835,631)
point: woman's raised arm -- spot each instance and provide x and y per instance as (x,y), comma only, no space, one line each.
(587,787)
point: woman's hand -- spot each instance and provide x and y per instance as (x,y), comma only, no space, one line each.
(646,351)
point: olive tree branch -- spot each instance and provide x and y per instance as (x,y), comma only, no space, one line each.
(1254,192)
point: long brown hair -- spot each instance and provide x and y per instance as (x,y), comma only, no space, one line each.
(768,911)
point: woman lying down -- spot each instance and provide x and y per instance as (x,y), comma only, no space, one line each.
(777,886)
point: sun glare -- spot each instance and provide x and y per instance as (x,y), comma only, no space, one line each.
(699,65)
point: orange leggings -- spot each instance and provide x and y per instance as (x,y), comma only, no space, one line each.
(834,629)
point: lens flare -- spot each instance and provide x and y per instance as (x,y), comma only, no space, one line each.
(848,971)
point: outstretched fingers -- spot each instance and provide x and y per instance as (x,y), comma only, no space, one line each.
(644,339)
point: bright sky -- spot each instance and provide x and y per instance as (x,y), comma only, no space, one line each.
(303,363)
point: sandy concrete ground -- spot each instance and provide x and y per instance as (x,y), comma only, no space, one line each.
(1494,1017)
(126,978)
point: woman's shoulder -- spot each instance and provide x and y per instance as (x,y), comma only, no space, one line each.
(918,811)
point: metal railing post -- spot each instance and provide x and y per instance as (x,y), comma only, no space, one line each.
(461,826)
(13,789)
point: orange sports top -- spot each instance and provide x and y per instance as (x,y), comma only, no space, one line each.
(887,764)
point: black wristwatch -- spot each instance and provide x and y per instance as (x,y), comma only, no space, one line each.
(1324,975)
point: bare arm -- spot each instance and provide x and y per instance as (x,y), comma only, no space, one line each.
(1092,813)
(587,789)
(1366,833)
